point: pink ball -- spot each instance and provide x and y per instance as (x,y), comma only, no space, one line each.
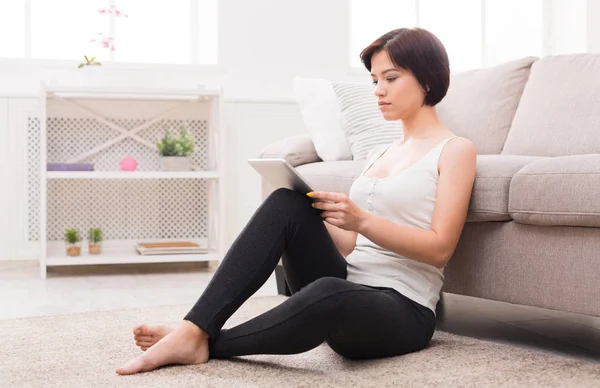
(128,164)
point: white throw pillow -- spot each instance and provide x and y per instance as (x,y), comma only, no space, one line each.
(362,120)
(321,114)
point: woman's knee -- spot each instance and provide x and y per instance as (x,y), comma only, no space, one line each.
(358,350)
(286,201)
(286,196)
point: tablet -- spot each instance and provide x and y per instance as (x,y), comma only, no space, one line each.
(279,173)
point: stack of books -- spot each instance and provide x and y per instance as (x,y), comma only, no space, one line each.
(170,248)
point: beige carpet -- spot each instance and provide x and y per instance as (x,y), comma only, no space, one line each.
(83,350)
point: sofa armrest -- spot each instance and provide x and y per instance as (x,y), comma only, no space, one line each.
(296,150)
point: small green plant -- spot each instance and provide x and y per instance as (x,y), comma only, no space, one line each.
(172,145)
(72,236)
(95,235)
(89,62)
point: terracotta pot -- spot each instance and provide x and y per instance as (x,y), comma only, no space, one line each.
(73,250)
(94,249)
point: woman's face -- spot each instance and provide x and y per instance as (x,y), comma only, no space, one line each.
(398,91)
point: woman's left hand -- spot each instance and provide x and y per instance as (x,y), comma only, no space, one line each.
(339,210)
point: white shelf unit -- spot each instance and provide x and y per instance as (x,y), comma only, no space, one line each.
(132,174)
(102,125)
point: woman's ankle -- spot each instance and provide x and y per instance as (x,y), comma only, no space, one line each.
(193,329)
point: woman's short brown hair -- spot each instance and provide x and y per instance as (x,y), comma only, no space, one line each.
(418,51)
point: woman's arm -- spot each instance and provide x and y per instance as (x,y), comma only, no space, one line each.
(345,240)
(434,246)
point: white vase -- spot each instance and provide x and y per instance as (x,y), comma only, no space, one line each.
(89,75)
(175,163)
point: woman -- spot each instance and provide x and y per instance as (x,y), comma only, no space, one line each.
(365,271)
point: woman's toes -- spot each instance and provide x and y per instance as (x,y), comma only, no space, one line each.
(141,330)
(143,338)
(154,332)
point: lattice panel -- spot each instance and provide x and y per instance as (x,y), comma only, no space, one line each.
(33,177)
(129,209)
(69,137)
(124,209)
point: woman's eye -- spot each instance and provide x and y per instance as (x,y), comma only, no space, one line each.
(387,79)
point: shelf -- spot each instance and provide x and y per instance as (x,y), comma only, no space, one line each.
(132,175)
(120,252)
(130,92)
(119,258)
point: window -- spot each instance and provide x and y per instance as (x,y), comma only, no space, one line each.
(154,32)
(174,32)
(12,29)
(369,19)
(61,29)
(476,33)
(521,37)
(458,25)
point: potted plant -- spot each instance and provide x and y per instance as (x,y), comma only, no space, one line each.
(89,62)
(89,70)
(72,242)
(175,150)
(94,240)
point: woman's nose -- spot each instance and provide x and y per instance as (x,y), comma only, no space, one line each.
(379,90)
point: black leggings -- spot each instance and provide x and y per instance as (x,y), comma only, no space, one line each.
(356,321)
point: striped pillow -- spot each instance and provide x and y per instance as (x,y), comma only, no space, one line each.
(362,120)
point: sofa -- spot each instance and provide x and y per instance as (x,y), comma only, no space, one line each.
(532,235)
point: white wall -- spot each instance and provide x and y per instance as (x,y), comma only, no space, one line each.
(264,44)
(593,24)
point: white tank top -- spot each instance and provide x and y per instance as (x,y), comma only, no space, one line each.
(406,198)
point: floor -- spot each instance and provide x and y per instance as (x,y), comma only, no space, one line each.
(94,288)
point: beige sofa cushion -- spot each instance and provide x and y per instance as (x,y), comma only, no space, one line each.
(332,176)
(489,200)
(557,191)
(559,111)
(297,150)
(480,104)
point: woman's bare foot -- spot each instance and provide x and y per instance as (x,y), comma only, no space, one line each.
(187,345)
(147,335)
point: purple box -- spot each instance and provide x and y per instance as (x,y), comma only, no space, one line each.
(69,167)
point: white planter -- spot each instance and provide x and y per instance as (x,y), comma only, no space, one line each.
(176,163)
(90,75)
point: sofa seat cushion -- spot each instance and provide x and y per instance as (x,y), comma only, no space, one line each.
(489,199)
(557,191)
(332,176)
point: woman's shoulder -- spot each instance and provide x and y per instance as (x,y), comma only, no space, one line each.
(458,150)
(460,144)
